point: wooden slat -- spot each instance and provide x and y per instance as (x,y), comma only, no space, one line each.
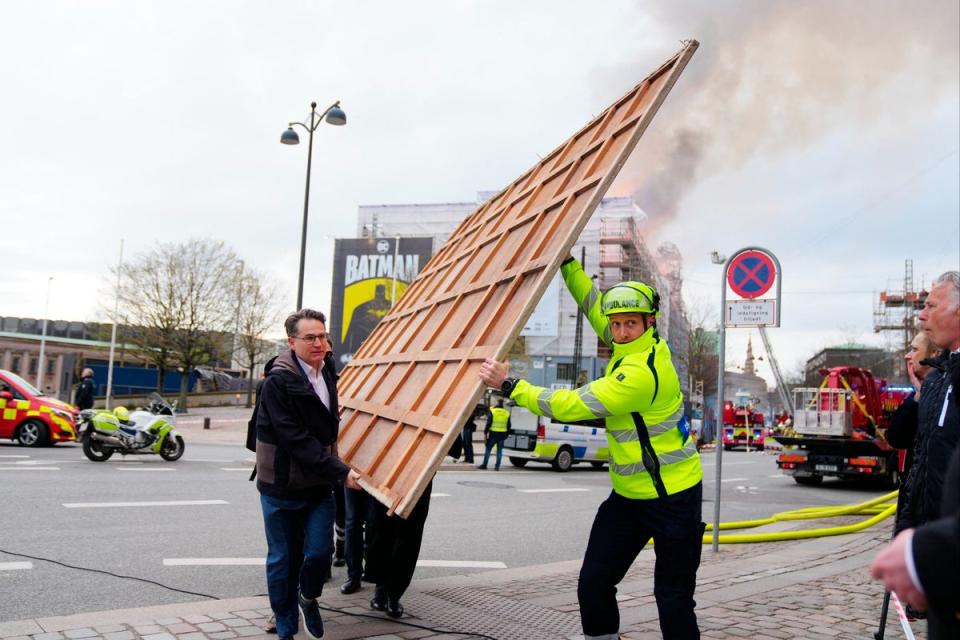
(414,381)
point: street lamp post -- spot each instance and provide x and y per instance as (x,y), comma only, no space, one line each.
(333,115)
(43,337)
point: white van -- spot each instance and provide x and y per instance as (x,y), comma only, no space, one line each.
(538,439)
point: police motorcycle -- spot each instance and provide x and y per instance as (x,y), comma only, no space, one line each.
(144,431)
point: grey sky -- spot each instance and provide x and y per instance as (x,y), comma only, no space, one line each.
(824,131)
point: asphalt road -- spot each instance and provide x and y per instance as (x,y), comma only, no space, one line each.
(514,517)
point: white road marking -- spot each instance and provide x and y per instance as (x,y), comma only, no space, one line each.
(779,475)
(15,566)
(13,456)
(734,479)
(439,495)
(212,562)
(208,460)
(158,503)
(569,490)
(236,468)
(29,468)
(145,469)
(462,564)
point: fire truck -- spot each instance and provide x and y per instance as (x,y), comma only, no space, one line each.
(742,425)
(838,429)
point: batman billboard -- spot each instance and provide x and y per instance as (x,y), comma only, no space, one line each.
(369,274)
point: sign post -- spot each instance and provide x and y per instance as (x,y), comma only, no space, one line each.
(749,273)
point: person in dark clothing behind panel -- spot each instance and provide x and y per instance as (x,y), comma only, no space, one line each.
(297,469)
(393,546)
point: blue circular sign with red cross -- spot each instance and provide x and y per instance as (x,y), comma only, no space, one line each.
(751,274)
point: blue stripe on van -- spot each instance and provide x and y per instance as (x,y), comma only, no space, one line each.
(579,452)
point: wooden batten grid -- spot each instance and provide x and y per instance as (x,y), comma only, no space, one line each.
(414,381)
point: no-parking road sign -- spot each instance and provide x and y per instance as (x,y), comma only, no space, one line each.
(752,273)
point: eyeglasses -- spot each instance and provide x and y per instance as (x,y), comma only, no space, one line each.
(323,337)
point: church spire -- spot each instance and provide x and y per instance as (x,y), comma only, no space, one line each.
(748,365)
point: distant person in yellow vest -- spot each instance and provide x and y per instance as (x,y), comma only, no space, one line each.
(498,425)
(654,466)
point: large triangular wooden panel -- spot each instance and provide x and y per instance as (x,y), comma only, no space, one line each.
(414,381)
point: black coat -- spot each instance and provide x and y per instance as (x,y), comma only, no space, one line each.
(936,551)
(297,434)
(938,433)
(85,392)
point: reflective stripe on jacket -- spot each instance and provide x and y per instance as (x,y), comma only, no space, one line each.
(651,453)
(500,421)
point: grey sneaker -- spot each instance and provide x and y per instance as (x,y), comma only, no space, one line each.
(312,623)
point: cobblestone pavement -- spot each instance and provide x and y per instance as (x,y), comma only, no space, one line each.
(812,589)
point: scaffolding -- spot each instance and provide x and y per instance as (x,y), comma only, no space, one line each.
(897,309)
(624,256)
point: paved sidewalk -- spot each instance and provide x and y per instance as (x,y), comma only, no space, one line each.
(812,589)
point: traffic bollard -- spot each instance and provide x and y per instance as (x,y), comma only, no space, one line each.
(206,422)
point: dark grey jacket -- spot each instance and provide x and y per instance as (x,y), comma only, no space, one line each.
(938,433)
(297,434)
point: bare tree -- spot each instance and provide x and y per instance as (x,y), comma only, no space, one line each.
(207,272)
(700,356)
(176,303)
(148,306)
(257,313)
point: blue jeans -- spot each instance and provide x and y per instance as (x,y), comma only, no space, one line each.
(299,551)
(620,530)
(494,438)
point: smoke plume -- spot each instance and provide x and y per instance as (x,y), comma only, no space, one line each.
(772,76)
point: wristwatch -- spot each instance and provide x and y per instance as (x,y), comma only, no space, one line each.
(506,388)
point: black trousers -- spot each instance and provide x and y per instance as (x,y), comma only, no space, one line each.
(393,545)
(360,508)
(621,529)
(467,435)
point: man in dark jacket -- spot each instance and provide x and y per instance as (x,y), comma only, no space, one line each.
(923,565)
(297,470)
(85,390)
(938,419)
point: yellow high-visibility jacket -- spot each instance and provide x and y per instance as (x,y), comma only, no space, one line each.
(651,453)
(500,420)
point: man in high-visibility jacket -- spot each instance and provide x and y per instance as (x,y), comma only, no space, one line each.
(498,425)
(654,466)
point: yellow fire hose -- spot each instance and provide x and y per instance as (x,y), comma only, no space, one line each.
(878,508)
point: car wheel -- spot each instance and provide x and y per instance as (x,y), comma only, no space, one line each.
(32,433)
(564,460)
(519,462)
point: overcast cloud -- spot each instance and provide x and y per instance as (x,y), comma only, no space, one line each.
(826,132)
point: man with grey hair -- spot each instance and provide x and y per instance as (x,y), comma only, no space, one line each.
(913,564)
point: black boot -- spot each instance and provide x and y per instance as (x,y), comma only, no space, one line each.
(394,608)
(379,600)
(338,560)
